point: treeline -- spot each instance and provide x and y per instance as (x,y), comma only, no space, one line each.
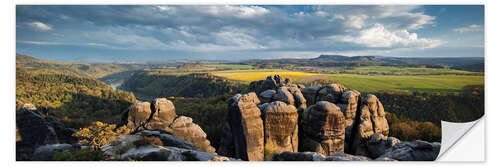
(148,85)
(87,70)
(73,100)
(210,113)
(465,106)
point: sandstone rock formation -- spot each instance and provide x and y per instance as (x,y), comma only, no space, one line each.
(412,151)
(277,88)
(163,114)
(156,146)
(184,128)
(34,130)
(371,120)
(280,126)
(160,115)
(331,120)
(314,156)
(244,136)
(323,129)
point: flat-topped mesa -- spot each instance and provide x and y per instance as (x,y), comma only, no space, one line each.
(244,132)
(160,115)
(280,126)
(323,129)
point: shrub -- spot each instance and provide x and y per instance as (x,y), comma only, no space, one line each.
(100,134)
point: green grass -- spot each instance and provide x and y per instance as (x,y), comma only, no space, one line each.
(369,83)
(406,70)
(429,83)
(233,66)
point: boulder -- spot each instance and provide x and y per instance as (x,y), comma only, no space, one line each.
(280,126)
(412,151)
(162,114)
(323,129)
(34,130)
(46,152)
(247,129)
(269,83)
(184,128)
(377,144)
(138,115)
(346,157)
(331,93)
(310,94)
(267,96)
(135,147)
(166,139)
(297,156)
(284,95)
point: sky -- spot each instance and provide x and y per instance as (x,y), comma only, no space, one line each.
(241,32)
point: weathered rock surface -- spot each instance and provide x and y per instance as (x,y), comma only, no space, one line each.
(331,93)
(346,157)
(166,139)
(184,128)
(323,129)
(34,130)
(247,129)
(348,105)
(163,114)
(278,88)
(377,114)
(138,115)
(136,147)
(298,156)
(46,152)
(160,115)
(280,126)
(412,151)
(371,120)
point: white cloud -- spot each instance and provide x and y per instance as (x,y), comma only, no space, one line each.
(40,26)
(379,36)
(356,21)
(234,11)
(471,28)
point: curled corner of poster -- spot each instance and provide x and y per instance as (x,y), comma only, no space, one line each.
(462,142)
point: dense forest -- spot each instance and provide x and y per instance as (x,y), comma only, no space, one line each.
(148,85)
(73,100)
(434,106)
(97,71)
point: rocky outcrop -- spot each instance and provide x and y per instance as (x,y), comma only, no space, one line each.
(184,128)
(412,151)
(280,126)
(333,121)
(160,115)
(156,146)
(314,156)
(371,120)
(163,114)
(323,129)
(277,88)
(298,156)
(46,152)
(244,136)
(34,129)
